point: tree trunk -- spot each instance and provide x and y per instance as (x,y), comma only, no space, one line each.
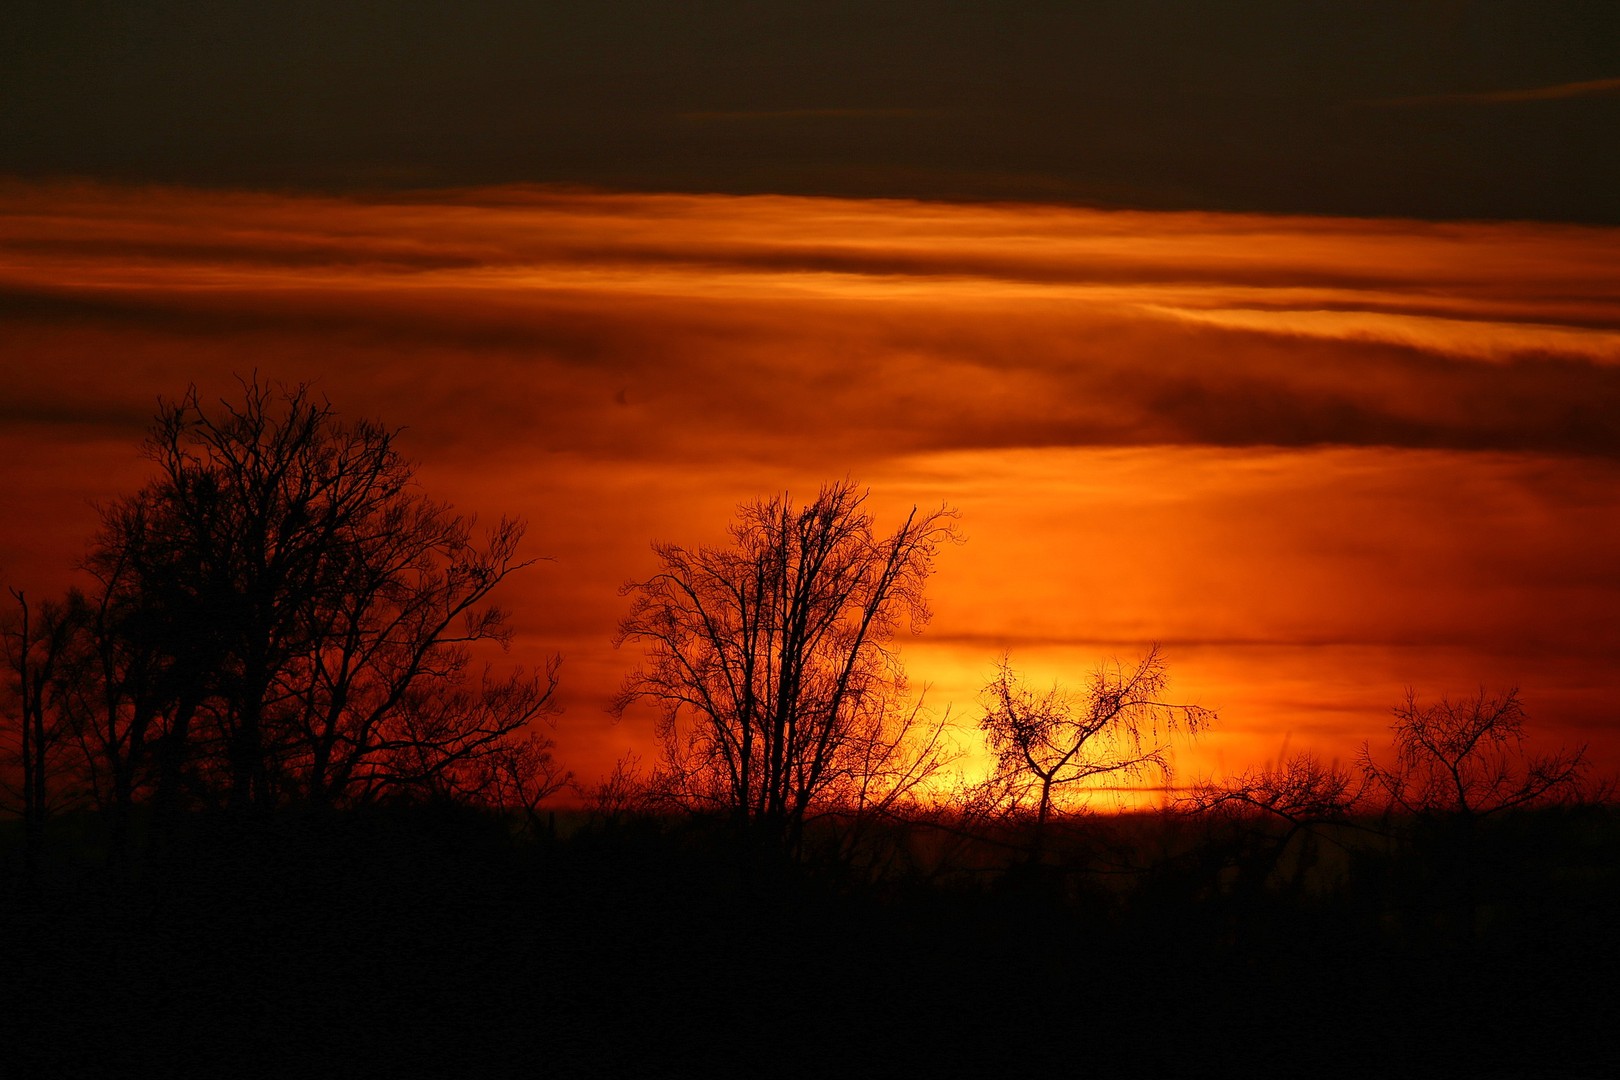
(1038,842)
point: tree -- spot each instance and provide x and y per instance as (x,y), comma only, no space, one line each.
(127,691)
(1269,811)
(1301,791)
(1467,758)
(1118,729)
(771,659)
(281,582)
(98,693)
(36,643)
(1458,768)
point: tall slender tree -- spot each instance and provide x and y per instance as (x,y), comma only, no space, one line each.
(36,642)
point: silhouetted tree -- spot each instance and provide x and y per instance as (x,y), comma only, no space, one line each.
(623,794)
(85,694)
(36,642)
(1300,791)
(1269,811)
(772,664)
(1118,730)
(1458,768)
(137,671)
(887,776)
(282,580)
(1468,758)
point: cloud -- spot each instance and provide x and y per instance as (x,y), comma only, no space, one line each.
(793,325)
(773,116)
(1388,446)
(1556,92)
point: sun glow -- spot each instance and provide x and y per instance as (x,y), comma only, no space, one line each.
(1319,460)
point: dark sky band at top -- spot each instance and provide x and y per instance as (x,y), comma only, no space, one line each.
(1441,109)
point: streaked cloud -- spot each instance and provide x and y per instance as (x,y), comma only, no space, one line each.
(1321,458)
(771,116)
(1557,92)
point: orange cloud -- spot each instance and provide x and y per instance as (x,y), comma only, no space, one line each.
(1321,459)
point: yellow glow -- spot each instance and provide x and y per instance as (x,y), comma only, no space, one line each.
(1319,460)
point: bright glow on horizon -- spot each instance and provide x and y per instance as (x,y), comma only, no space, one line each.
(1321,460)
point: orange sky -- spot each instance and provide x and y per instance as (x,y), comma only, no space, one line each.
(1321,460)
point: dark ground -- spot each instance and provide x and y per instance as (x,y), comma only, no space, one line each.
(429,943)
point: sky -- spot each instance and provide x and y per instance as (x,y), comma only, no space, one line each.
(1416,108)
(1284,335)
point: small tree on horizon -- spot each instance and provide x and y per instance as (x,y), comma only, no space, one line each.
(1117,729)
(1467,757)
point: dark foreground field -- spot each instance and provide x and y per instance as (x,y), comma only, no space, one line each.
(430,943)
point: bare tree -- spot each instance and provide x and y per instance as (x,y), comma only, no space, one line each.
(36,643)
(1458,768)
(623,794)
(1268,812)
(771,659)
(1468,758)
(515,776)
(98,697)
(1118,730)
(282,581)
(887,777)
(1300,791)
(136,670)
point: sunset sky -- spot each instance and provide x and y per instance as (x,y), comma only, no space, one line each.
(1287,337)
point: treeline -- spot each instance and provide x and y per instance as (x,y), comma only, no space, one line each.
(282,807)
(280,618)
(424,938)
